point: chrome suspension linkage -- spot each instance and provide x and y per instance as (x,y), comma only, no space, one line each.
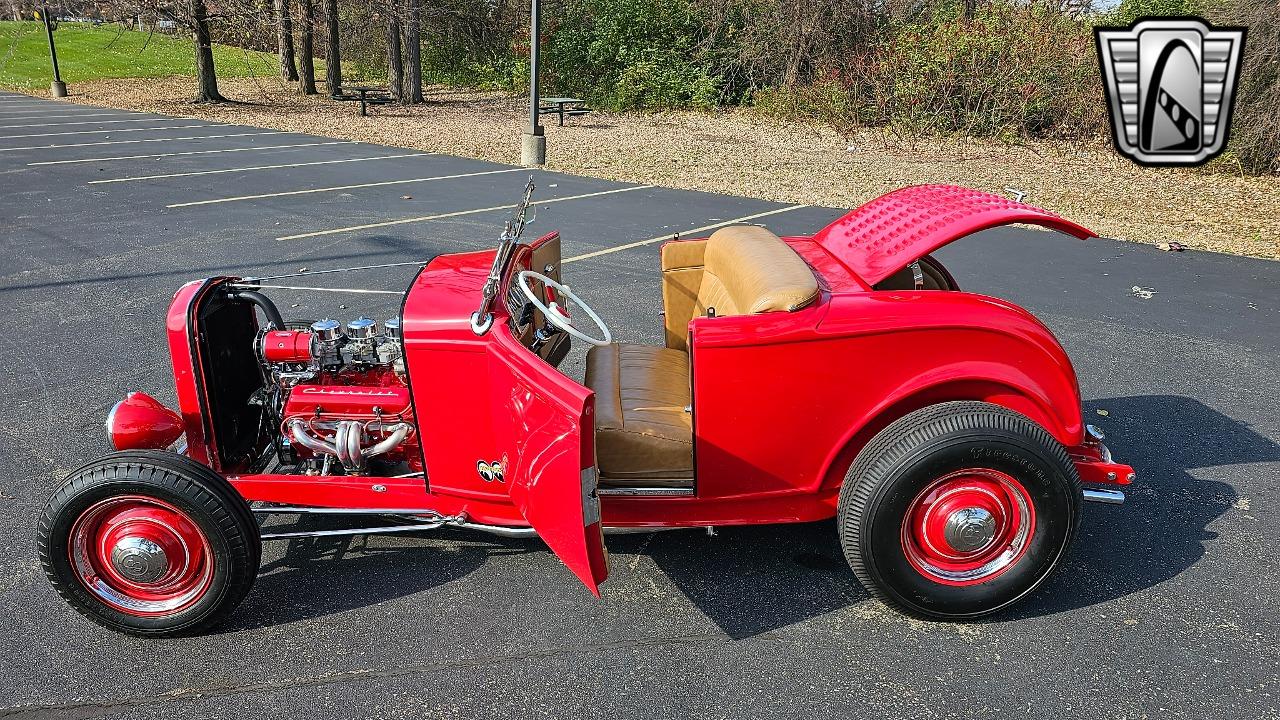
(420,519)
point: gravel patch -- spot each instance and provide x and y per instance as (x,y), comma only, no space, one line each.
(741,153)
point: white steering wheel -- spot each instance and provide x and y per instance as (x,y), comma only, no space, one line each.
(555,315)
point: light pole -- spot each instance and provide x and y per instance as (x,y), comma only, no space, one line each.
(533,147)
(57,88)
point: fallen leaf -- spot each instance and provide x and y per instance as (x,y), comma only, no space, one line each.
(1103,413)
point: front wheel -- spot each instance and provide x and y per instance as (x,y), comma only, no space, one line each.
(958,510)
(149,543)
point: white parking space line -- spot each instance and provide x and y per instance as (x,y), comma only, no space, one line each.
(72,115)
(254,167)
(191,152)
(59,110)
(148,140)
(440,216)
(88,122)
(344,187)
(113,130)
(668,236)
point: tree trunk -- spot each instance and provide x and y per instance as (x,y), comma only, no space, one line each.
(206,76)
(413,54)
(970,6)
(284,40)
(306,49)
(333,56)
(395,65)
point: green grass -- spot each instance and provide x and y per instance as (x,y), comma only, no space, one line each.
(86,52)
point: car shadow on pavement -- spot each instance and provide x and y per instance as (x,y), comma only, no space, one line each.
(1162,527)
(752,580)
(319,576)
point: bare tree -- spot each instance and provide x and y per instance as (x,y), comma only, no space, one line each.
(333,56)
(206,74)
(395,64)
(412,85)
(306,48)
(284,40)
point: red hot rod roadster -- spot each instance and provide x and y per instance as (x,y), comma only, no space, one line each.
(843,374)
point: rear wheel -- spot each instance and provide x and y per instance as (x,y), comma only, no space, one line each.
(149,543)
(958,510)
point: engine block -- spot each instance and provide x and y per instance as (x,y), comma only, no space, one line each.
(342,396)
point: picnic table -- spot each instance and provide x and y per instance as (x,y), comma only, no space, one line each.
(367,96)
(563,106)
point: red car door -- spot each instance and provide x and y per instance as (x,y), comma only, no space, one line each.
(546,421)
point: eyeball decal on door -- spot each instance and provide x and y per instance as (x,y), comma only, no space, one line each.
(491,471)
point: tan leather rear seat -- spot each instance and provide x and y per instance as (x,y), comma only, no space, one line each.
(739,270)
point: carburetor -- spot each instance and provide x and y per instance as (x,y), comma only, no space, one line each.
(327,346)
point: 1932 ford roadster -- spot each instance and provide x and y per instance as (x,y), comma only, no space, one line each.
(840,375)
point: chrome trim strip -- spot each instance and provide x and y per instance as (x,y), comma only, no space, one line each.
(1104,495)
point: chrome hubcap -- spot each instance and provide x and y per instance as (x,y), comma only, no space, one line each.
(139,559)
(970,529)
(968,526)
(141,556)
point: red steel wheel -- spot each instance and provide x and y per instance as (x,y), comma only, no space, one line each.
(149,543)
(958,510)
(141,555)
(968,527)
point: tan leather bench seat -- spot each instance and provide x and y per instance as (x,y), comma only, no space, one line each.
(644,437)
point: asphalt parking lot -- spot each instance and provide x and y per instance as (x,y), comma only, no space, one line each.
(1166,607)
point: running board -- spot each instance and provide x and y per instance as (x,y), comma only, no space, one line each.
(645,492)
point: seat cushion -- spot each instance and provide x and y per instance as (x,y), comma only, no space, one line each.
(644,437)
(750,270)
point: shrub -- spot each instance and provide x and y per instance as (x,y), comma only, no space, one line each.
(1130,10)
(1021,70)
(628,54)
(1255,126)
